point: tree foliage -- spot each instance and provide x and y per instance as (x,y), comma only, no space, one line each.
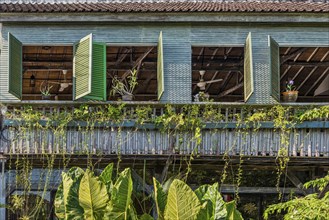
(312,206)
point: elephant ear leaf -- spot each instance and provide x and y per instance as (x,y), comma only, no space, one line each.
(120,197)
(160,198)
(92,196)
(206,209)
(182,203)
(66,205)
(232,212)
(106,175)
(217,202)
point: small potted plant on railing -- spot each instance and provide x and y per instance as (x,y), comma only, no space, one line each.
(45,90)
(125,89)
(290,95)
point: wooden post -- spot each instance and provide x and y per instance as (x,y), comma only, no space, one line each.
(2,188)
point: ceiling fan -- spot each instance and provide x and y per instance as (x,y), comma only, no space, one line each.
(64,84)
(202,84)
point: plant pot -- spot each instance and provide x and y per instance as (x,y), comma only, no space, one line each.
(290,96)
(46,97)
(127,97)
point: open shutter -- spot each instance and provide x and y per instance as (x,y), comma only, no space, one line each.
(275,68)
(15,66)
(248,69)
(82,67)
(98,78)
(160,73)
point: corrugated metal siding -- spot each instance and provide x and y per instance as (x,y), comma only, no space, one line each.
(177,41)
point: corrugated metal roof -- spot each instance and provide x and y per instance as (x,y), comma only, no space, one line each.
(166,6)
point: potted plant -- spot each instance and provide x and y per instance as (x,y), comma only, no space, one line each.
(290,95)
(125,89)
(45,90)
(201,97)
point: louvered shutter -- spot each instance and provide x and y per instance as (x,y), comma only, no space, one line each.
(160,72)
(98,78)
(248,69)
(274,68)
(82,67)
(15,66)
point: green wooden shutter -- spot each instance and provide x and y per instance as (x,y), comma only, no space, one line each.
(82,67)
(160,72)
(248,69)
(274,68)
(98,78)
(15,66)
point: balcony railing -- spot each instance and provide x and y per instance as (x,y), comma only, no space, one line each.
(223,130)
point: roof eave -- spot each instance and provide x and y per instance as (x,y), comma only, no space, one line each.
(181,17)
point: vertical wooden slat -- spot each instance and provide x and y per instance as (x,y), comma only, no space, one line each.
(274,68)
(248,69)
(82,67)
(160,68)
(98,75)
(15,66)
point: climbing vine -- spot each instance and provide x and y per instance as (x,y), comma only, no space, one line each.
(47,133)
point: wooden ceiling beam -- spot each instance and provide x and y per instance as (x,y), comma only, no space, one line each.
(137,62)
(307,64)
(225,82)
(312,54)
(325,56)
(219,60)
(143,86)
(285,72)
(295,54)
(317,81)
(306,78)
(212,78)
(230,90)
(201,53)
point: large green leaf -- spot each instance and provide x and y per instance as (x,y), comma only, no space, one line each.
(120,197)
(66,198)
(232,212)
(106,177)
(146,217)
(206,209)
(92,196)
(160,198)
(214,205)
(71,192)
(59,203)
(182,203)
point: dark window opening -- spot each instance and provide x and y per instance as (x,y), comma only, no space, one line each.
(122,59)
(47,66)
(217,72)
(308,69)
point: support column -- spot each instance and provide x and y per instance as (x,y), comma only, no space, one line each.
(2,187)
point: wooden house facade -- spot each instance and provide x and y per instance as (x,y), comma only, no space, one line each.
(248,50)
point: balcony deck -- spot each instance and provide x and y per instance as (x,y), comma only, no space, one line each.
(307,139)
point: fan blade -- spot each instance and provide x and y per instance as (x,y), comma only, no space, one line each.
(54,82)
(212,81)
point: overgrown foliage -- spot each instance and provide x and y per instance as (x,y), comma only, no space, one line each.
(312,206)
(182,125)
